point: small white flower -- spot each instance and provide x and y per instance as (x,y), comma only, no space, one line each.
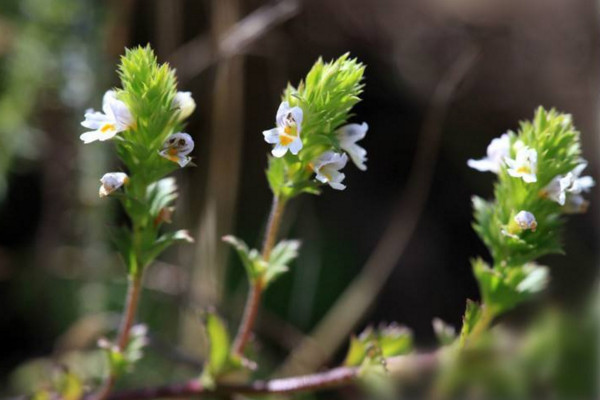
(115,118)
(526,220)
(497,151)
(185,104)
(287,134)
(571,184)
(111,181)
(524,166)
(348,135)
(328,166)
(177,147)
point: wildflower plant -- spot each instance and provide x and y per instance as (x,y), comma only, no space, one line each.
(538,170)
(143,121)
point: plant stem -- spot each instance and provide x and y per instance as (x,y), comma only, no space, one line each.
(255,293)
(131,303)
(400,367)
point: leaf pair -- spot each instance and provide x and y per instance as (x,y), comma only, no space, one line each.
(256,267)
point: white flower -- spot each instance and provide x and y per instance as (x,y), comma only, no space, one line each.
(526,220)
(328,166)
(571,183)
(497,151)
(524,166)
(115,118)
(177,147)
(287,134)
(348,135)
(185,104)
(111,181)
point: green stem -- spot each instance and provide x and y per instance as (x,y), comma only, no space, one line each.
(487,316)
(256,289)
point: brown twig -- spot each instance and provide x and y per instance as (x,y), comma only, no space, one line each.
(335,327)
(401,367)
(195,56)
(133,297)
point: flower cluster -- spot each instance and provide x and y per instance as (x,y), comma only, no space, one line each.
(566,189)
(327,166)
(312,140)
(116,117)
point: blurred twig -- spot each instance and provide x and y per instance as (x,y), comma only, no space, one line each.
(352,305)
(200,53)
(401,368)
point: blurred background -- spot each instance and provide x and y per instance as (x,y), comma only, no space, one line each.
(443,78)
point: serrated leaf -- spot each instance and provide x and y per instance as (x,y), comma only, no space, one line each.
(251,259)
(470,318)
(281,255)
(388,340)
(163,243)
(502,288)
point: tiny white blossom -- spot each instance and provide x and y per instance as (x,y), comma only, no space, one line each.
(497,151)
(524,166)
(112,181)
(287,133)
(184,103)
(115,118)
(572,184)
(177,147)
(348,135)
(328,166)
(526,220)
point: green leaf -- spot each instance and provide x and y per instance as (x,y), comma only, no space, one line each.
(502,288)
(219,344)
(388,340)
(162,243)
(161,195)
(276,175)
(472,315)
(251,259)
(281,255)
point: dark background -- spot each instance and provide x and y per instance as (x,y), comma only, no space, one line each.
(57,269)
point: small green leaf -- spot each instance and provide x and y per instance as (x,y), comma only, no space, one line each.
(219,344)
(356,352)
(389,340)
(276,175)
(163,243)
(502,288)
(281,255)
(470,318)
(251,259)
(161,195)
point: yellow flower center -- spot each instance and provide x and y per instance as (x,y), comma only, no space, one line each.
(288,135)
(524,169)
(108,127)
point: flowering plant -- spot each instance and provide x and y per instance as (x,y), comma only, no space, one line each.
(539,181)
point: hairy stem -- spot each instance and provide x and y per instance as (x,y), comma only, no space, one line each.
(131,303)
(255,293)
